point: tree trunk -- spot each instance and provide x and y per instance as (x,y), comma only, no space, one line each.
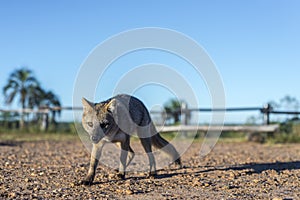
(22,117)
(45,122)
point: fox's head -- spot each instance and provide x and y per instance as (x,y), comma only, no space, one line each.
(98,119)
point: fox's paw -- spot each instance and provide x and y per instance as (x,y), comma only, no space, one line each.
(87,181)
(121,176)
(177,164)
(152,175)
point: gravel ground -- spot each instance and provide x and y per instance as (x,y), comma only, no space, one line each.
(52,169)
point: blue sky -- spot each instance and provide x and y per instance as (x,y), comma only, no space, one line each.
(255,45)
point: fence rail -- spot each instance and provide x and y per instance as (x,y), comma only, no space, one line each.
(265,128)
(267,110)
(250,129)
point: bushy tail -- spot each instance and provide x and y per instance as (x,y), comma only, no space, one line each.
(168,148)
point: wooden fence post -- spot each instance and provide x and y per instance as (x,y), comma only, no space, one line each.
(266,110)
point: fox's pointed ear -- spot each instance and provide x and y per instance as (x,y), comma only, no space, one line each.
(111,106)
(87,104)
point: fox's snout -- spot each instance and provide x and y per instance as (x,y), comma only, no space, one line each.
(94,138)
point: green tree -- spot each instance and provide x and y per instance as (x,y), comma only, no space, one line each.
(41,98)
(290,103)
(51,100)
(19,86)
(22,85)
(173,109)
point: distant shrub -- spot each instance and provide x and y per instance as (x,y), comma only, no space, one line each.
(289,133)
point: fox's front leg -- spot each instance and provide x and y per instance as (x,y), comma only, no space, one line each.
(95,156)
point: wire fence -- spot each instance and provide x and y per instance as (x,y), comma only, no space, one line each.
(159,117)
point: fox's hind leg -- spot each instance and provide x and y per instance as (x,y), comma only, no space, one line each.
(130,156)
(124,162)
(146,142)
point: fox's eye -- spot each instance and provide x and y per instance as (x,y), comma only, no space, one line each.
(90,124)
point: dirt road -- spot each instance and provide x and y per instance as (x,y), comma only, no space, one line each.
(51,169)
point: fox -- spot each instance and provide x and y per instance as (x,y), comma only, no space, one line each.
(115,120)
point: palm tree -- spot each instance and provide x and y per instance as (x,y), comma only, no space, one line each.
(173,109)
(45,99)
(51,100)
(36,97)
(20,85)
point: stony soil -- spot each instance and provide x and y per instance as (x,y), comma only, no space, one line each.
(52,169)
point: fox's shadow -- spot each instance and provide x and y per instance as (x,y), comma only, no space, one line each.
(253,167)
(260,167)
